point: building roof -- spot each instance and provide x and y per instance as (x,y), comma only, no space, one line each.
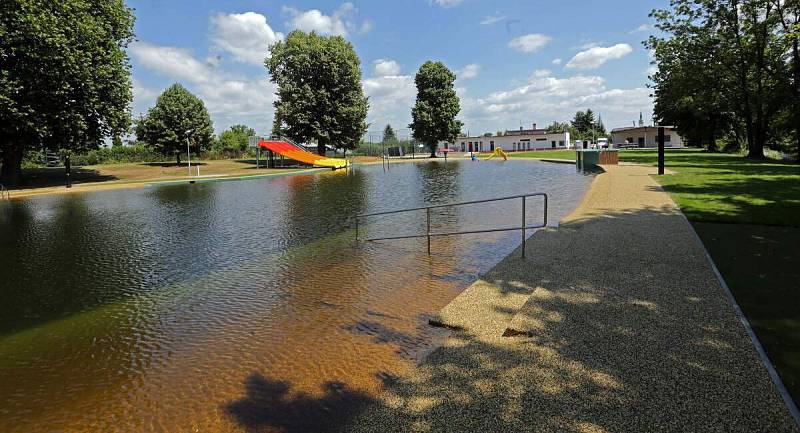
(635,128)
(526,132)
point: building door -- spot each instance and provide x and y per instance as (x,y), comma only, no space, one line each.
(553,145)
(491,146)
(641,141)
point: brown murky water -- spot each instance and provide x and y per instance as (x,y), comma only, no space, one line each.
(239,306)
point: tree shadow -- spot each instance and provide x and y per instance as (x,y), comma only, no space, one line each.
(270,405)
(46,177)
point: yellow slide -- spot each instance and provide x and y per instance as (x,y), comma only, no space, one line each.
(498,151)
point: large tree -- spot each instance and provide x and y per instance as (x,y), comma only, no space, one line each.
(731,61)
(320,97)
(178,116)
(434,113)
(389,136)
(64,76)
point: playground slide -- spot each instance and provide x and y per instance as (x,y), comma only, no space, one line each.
(498,151)
(293,152)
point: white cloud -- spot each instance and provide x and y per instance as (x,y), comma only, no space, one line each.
(541,73)
(492,19)
(391,95)
(448,3)
(229,98)
(530,43)
(469,72)
(597,56)
(641,29)
(557,61)
(386,68)
(544,99)
(339,23)
(246,36)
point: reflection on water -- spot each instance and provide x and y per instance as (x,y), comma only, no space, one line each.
(235,306)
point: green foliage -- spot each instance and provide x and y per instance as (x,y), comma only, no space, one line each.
(64,75)
(389,136)
(723,71)
(233,142)
(558,128)
(583,121)
(178,116)
(320,98)
(118,155)
(434,113)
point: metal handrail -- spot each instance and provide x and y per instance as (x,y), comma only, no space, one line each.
(523,227)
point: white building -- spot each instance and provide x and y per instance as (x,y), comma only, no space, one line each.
(645,136)
(512,141)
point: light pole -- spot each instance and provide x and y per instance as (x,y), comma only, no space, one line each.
(188,153)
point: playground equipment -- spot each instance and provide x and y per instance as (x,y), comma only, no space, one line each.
(498,151)
(287,148)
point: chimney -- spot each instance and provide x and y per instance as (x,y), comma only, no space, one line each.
(534,126)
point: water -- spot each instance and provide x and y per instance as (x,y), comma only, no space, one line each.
(243,305)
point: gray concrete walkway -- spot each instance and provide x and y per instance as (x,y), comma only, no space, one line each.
(614,322)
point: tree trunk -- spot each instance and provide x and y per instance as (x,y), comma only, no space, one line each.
(11,172)
(433,150)
(321,148)
(178,158)
(712,142)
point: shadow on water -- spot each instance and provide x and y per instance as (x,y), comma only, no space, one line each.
(599,347)
(270,405)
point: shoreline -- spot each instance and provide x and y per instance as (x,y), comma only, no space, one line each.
(565,343)
(85,187)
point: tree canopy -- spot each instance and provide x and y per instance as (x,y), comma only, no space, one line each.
(177,116)
(389,136)
(320,97)
(434,113)
(725,69)
(234,140)
(64,76)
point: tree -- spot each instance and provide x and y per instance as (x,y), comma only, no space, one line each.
(64,76)
(320,97)
(234,140)
(178,116)
(389,136)
(584,121)
(558,128)
(731,68)
(434,113)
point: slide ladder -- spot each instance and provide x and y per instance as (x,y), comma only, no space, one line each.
(288,149)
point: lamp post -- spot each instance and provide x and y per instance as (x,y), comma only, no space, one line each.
(188,153)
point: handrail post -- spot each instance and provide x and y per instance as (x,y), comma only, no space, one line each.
(428,218)
(523,226)
(356,217)
(546,210)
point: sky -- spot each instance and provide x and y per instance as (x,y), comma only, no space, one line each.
(518,62)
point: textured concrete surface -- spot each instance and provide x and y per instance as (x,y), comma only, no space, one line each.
(614,322)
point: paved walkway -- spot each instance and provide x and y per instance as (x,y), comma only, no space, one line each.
(614,322)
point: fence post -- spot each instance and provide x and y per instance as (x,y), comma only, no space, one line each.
(523,226)
(428,217)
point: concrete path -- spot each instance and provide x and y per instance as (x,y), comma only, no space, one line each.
(614,322)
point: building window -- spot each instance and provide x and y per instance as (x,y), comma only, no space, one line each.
(641,141)
(553,144)
(561,143)
(667,138)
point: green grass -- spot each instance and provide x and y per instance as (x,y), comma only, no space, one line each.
(728,188)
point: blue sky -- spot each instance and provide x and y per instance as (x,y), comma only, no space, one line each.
(518,61)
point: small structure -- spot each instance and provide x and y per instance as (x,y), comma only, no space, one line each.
(645,137)
(511,141)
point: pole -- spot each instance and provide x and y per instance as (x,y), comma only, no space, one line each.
(188,155)
(523,227)
(660,150)
(68,169)
(428,217)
